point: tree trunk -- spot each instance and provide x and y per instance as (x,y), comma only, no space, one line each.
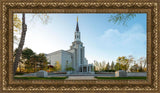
(21,43)
(34,66)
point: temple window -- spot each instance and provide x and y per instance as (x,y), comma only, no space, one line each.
(67,62)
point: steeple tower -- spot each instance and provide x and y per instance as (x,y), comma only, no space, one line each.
(77,33)
(77,27)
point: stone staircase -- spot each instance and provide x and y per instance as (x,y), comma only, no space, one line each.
(81,74)
(81,78)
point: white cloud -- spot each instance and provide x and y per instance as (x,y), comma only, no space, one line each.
(117,43)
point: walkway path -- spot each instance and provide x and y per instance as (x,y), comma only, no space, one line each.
(81,78)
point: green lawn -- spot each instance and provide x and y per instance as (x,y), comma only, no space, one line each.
(119,78)
(45,78)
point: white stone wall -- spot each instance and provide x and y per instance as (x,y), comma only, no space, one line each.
(132,74)
(72,51)
(66,56)
(55,56)
(61,56)
(75,57)
(85,61)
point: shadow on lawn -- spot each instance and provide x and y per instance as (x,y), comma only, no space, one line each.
(45,78)
(119,78)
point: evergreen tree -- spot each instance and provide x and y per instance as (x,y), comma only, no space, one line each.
(107,66)
(42,61)
(112,66)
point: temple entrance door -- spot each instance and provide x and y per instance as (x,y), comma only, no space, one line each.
(84,69)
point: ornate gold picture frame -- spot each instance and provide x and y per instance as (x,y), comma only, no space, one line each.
(8,7)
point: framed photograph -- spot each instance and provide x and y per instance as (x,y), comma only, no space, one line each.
(79,46)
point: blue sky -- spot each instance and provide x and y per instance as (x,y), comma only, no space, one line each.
(103,40)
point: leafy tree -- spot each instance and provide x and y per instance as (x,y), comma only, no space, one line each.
(145,63)
(117,66)
(58,66)
(37,62)
(25,58)
(34,61)
(134,68)
(17,24)
(42,61)
(130,60)
(102,65)
(145,69)
(124,62)
(121,18)
(99,66)
(140,69)
(27,53)
(20,66)
(142,62)
(50,68)
(28,66)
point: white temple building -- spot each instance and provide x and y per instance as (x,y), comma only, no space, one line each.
(74,57)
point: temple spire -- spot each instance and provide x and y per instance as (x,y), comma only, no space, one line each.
(77,33)
(77,27)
